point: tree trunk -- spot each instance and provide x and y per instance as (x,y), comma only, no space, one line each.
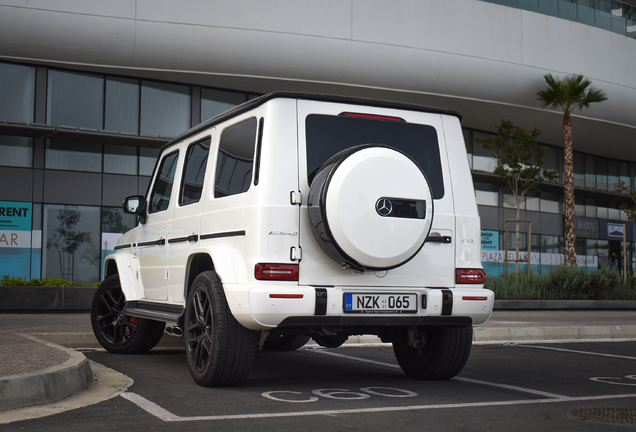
(517,235)
(570,237)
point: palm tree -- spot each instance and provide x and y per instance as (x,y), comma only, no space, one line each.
(568,93)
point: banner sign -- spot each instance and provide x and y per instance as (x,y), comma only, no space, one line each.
(15,238)
(15,219)
(489,240)
(586,227)
(613,229)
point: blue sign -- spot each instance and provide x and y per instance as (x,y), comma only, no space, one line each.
(489,240)
(15,238)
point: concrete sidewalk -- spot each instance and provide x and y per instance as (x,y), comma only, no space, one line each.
(39,363)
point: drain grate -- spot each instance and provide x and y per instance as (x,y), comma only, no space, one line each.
(607,415)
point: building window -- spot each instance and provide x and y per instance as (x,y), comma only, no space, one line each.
(16,151)
(122,105)
(73,156)
(235,159)
(119,159)
(603,253)
(75,99)
(147,160)
(483,160)
(114,223)
(215,102)
(114,220)
(552,160)
(165,108)
(579,170)
(590,208)
(625,174)
(468,141)
(579,206)
(601,173)
(17,93)
(602,209)
(552,244)
(549,202)
(487,194)
(590,172)
(613,175)
(509,199)
(71,243)
(612,211)
(533,201)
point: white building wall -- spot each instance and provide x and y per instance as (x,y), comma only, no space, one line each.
(485,60)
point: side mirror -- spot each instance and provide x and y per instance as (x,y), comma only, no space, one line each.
(132,204)
(136,205)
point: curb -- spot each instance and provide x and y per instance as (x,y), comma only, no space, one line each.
(48,385)
(521,334)
(78,299)
(564,304)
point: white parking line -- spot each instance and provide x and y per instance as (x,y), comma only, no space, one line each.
(167,416)
(473,381)
(577,351)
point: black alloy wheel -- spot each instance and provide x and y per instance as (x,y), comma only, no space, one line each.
(115,331)
(219,350)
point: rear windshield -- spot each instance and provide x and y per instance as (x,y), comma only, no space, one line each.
(328,135)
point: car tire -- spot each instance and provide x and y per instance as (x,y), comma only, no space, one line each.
(444,355)
(116,332)
(219,350)
(370,189)
(275,342)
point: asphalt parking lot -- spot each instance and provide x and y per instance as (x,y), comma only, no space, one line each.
(503,387)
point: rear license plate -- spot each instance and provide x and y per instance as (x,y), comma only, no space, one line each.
(380,303)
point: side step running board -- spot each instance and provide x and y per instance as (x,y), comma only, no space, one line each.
(167,313)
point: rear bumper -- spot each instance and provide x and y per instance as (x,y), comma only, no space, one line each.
(287,306)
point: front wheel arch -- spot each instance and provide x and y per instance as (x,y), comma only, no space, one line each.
(113,329)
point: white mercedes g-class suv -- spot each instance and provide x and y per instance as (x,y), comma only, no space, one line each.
(298,216)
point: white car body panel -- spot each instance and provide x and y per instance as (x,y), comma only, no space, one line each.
(269,223)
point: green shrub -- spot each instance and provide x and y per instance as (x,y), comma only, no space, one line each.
(17,281)
(563,283)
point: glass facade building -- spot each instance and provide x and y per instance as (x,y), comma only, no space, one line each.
(74,144)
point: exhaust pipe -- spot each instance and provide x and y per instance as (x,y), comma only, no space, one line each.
(174,330)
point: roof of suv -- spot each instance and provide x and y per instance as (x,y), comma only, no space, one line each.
(307,96)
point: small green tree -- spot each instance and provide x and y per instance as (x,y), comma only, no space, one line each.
(67,239)
(630,210)
(520,159)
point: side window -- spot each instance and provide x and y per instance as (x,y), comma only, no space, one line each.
(196,161)
(162,189)
(235,159)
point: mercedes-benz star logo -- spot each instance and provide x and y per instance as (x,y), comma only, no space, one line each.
(384,207)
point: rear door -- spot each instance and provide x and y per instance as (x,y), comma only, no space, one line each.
(325,129)
(184,230)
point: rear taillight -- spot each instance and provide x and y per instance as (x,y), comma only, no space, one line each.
(279,272)
(470,276)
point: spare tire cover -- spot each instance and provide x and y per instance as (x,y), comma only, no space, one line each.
(371,206)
